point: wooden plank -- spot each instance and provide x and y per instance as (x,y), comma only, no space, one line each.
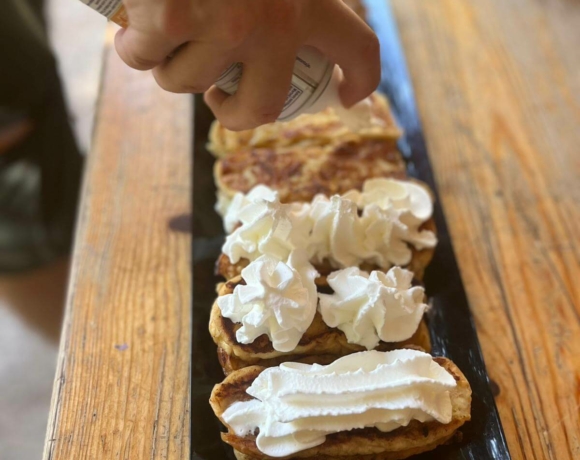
(122,383)
(498,88)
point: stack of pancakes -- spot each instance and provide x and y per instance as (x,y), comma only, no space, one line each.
(311,155)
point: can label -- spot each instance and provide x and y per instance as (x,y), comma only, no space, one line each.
(293,95)
(230,78)
(312,71)
(112,9)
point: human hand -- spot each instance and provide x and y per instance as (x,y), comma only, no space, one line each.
(189,43)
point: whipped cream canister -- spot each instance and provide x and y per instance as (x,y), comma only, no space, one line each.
(111,9)
(311,76)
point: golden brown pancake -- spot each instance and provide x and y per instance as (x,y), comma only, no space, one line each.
(419,261)
(320,344)
(308,130)
(359,444)
(300,173)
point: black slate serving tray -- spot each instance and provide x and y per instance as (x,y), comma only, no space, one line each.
(450,322)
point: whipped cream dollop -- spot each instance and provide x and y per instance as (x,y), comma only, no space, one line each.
(370,308)
(279,299)
(378,225)
(297,405)
(267,227)
(393,212)
(337,233)
(230,208)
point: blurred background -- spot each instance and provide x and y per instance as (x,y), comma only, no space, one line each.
(51,62)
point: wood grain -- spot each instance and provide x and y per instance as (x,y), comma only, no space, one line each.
(498,88)
(122,383)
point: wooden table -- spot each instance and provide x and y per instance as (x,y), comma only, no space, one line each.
(498,86)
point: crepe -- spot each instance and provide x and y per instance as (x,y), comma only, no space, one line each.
(359,444)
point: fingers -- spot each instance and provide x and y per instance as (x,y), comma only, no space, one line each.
(142,51)
(193,69)
(350,43)
(261,94)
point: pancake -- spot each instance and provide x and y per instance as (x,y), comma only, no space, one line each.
(320,343)
(358,444)
(299,174)
(319,129)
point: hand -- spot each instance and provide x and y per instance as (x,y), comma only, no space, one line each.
(189,43)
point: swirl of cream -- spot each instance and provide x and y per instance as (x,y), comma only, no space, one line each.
(279,299)
(407,196)
(337,234)
(370,308)
(230,208)
(399,208)
(268,227)
(297,405)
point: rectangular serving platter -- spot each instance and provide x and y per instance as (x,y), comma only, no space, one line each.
(450,322)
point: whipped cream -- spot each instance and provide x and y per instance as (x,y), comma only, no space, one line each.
(393,211)
(279,299)
(406,196)
(297,405)
(230,208)
(370,308)
(337,233)
(376,225)
(267,227)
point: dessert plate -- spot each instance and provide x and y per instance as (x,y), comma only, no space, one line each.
(451,325)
